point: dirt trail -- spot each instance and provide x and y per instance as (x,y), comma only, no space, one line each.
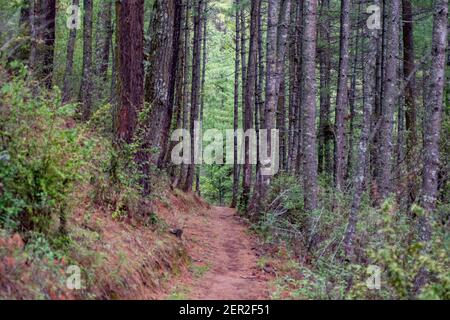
(224,257)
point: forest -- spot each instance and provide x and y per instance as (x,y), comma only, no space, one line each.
(224,149)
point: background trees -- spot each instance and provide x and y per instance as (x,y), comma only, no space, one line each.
(263,65)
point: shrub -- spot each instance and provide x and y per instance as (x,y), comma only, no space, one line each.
(401,256)
(385,237)
(42,154)
(282,216)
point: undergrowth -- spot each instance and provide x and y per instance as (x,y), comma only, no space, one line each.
(60,181)
(386,240)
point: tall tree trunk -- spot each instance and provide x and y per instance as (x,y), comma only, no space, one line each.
(43,22)
(342,96)
(103,42)
(249,102)
(369,91)
(130,66)
(277,31)
(352,100)
(195,92)
(282,41)
(236,105)
(300,112)
(410,99)
(433,126)
(376,120)
(159,75)
(281,123)
(291,83)
(325,129)
(309,105)
(244,60)
(175,171)
(271,63)
(202,89)
(186,82)
(295,79)
(86,87)
(389,99)
(165,131)
(259,113)
(272,85)
(68,73)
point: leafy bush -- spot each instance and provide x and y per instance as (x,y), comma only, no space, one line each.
(385,238)
(216,184)
(283,208)
(401,256)
(42,154)
(102,120)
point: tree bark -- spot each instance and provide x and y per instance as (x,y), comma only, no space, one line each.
(103,42)
(203,81)
(325,129)
(86,87)
(179,95)
(389,99)
(259,113)
(352,101)
(342,96)
(410,98)
(309,105)
(272,88)
(186,82)
(295,65)
(236,105)
(299,115)
(281,123)
(369,91)
(130,68)
(68,73)
(433,126)
(43,40)
(249,102)
(282,41)
(172,80)
(271,66)
(159,75)
(195,92)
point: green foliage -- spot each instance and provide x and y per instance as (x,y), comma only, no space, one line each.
(42,154)
(216,184)
(102,120)
(115,184)
(283,216)
(401,256)
(385,238)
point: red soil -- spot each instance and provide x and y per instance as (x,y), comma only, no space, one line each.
(218,243)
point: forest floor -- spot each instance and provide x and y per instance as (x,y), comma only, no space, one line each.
(224,260)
